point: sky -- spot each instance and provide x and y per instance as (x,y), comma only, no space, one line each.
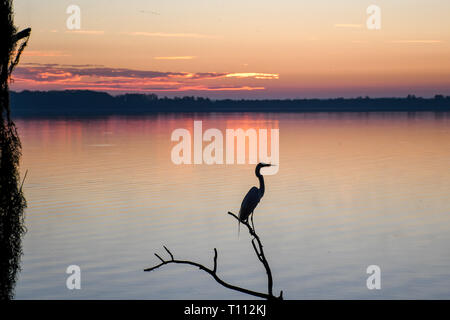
(237,48)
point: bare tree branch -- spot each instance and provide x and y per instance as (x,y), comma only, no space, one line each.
(159,258)
(259,253)
(170,253)
(22,34)
(257,246)
(256,250)
(215,260)
(214,275)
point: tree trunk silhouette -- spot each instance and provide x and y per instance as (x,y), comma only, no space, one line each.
(12,201)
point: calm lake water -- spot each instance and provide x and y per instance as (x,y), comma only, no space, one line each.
(352,190)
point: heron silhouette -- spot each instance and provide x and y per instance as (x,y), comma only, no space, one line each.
(252,198)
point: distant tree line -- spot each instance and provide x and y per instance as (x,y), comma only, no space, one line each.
(86,103)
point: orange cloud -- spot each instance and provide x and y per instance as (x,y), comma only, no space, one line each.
(417,41)
(169,35)
(348,25)
(63,77)
(175,58)
(254,75)
(93,32)
(37,53)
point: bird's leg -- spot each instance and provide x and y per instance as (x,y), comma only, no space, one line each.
(253,225)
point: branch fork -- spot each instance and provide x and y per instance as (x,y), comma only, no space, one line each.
(258,248)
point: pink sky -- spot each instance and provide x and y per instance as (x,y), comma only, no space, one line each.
(237,49)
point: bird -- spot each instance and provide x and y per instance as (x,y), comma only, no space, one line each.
(252,197)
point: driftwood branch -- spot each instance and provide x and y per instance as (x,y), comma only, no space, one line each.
(258,247)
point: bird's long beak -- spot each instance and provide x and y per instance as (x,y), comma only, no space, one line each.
(269,165)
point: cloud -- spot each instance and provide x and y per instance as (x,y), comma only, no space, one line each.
(348,25)
(417,41)
(207,75)
(175,58)
(254,75)
(59,65)
(168,89)
(241,88)
(37,53)
(150,12)
(169,35)
(92,32)
(35,76)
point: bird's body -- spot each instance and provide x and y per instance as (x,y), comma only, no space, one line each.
(249,203)
(253,196)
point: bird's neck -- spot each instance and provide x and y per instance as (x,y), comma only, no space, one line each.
(261,184)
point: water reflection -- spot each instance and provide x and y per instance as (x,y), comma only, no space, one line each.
(352,190)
